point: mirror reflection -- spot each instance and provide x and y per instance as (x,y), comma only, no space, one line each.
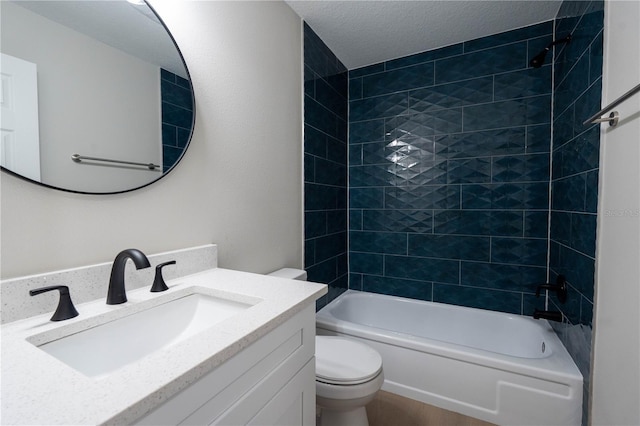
(99,80)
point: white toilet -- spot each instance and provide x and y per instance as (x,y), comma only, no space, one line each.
(348,374)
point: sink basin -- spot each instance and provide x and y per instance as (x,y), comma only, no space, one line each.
(100,350)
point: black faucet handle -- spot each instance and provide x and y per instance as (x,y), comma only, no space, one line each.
(560,287)
(65,309)
(158,281)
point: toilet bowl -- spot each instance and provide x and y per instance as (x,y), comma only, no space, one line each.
(348,374)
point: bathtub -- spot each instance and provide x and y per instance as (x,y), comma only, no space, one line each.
(501,368)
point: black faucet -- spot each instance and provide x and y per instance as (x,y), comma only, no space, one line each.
(548,315)
(560,287)
(116,293)
(65,309)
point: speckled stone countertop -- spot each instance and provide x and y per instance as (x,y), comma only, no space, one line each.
(38,389)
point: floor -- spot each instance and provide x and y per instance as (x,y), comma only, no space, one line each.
(389,409)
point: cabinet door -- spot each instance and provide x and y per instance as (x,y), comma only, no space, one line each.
(294,404)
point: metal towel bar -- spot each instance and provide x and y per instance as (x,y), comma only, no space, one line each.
(613,117)
(78,158)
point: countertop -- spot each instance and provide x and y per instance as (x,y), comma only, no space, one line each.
(38,389)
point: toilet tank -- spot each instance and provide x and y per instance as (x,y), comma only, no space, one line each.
(294,274)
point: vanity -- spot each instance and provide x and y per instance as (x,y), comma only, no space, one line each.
(218,347)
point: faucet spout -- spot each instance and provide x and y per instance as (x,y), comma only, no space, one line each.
(117,293)
(548,315)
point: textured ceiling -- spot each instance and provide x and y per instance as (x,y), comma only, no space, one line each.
(367,32)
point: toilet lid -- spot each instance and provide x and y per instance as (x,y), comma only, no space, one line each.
(345,362)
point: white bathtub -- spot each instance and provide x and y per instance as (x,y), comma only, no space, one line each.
(502,368)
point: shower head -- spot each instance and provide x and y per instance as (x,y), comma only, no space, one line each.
(538,60)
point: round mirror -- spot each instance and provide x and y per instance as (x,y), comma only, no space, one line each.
(95,95)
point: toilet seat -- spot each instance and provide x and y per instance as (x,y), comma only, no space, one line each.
(341,361)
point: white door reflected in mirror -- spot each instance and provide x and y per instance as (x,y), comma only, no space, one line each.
(20,149)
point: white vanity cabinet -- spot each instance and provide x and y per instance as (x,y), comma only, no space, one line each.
(270,382)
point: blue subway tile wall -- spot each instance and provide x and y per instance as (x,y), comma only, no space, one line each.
(449,154)
(177,116)
(576,148)
(325,167)
(574,175)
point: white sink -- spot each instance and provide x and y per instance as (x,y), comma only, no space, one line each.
(100,350)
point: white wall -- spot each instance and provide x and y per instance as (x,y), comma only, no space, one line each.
(84,87)
(239,184)
(616,343)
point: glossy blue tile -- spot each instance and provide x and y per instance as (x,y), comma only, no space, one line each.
(355,281)
(329,246)
(569,194)
(502,277)
(422,269)
(176,95)
(509,57)
(355,219)
(328,97)
(176,115)
(483,143)
(355,88)
(407,78)
(323,197)
(315,224)
(586,311)
(520,168)
(469,170)
(378,242)
(337,151)
(587,104)
(561,227)
(321,118)
(450,247)
(418,173)
(578,268)
(369,175)
(322,272)
(519,251)
(536,224)
(369,69)
(505,196)
(420,290)
(478,222)
(583,233)
(378,107)
(563,127)
(414,221)
(523,83)
(525,111)
(315,142)
(330,173)
(591,196)
(442,96)
(336,221)
(366,262)
(366,198)
(423,197)
(482,298)
(366,131)
(595,59)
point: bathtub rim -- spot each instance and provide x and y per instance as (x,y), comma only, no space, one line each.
(559,366)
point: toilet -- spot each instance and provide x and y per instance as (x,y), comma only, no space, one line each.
(348,374)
